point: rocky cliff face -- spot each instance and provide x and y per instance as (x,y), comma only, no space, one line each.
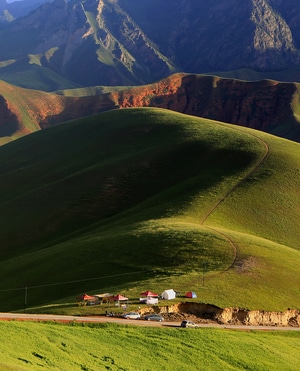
(290,12)
(201,312)
(264,105)
(272,33)
(224,35)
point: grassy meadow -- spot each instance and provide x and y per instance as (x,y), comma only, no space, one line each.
(139,199)
(51,346)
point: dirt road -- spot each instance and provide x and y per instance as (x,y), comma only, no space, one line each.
(141,322)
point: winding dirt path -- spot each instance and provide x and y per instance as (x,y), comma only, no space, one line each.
(231,190)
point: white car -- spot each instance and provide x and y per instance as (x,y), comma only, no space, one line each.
(132,315)
(187,324)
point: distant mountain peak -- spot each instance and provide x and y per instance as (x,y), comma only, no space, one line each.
(271,30)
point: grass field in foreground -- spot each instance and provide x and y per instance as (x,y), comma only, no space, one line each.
(35,346)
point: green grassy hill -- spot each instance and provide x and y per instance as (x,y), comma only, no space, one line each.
(32,346)
(147,198)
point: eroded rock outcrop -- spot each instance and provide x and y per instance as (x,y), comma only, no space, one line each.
(259,317)
(263,105)
(235,316)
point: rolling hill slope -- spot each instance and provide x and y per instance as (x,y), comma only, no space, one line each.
(148,197)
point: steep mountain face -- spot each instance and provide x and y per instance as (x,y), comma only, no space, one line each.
(290,12)
(272,36)
(121,42)
(88,42)
(207,36)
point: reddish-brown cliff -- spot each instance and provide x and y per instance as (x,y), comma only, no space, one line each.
(264,105)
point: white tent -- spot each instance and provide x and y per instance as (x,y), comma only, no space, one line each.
(168,294)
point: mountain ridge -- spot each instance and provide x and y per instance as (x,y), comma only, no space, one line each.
(120,43)
(264,105)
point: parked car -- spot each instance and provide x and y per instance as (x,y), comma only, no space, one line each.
(154,317)
(187,324)
(132,315)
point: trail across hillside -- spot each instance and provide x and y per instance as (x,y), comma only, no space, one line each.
(218,202)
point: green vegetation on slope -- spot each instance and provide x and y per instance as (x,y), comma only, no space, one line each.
(287,75)
(30,346)
(123,201)
(90,90)
(32,76)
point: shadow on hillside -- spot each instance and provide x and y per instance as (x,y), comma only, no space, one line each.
(9,122)
(77,108)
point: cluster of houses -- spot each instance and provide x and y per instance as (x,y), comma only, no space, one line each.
(147,297)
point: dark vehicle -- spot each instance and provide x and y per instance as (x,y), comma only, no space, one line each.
(154,317)
(110,314)
(187,324)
